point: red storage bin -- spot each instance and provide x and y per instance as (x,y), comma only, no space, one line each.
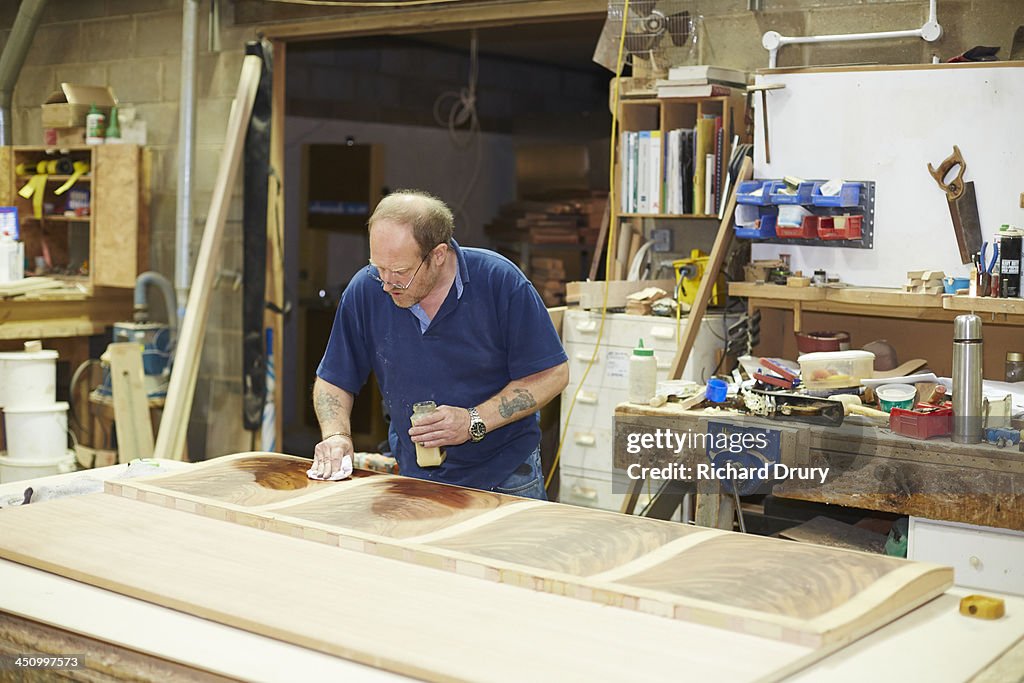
(808,229)
(840,227)
(920,424)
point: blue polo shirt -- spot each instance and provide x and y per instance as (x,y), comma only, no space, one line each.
(497,331)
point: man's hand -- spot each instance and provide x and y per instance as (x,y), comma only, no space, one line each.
(446,426)
(328,454)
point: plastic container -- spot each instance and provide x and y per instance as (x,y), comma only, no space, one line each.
(951,284)
(808,228)
(95,126)
(921,425)
(813,342)
(849,195)
(28,378)
(717,391)
(745,193)
(643,374)
(896,396)
(426,457)
(36,432)
(19,470)
(835,369)
(801,196)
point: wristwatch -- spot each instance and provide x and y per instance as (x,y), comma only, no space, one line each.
(477,428)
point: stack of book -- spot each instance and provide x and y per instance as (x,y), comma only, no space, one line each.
(701,81)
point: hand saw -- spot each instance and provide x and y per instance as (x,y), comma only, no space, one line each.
(963,204)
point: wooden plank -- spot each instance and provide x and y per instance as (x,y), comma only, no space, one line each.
(592,294)
(275,237)
(714,267)
(602,237)
(170,442)
(131,405)
(779,292)
(983,304)
(588,554)
(879,296)
(116,201)
(357,606)
(836,534)
(456,16)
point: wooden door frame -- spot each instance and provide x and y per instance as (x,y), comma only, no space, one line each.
(443,17)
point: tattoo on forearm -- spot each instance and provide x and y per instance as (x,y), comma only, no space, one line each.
(328,407)
(523,400)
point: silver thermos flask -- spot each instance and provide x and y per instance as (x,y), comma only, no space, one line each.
(967,374)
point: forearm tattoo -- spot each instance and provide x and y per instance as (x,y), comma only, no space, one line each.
(327,406)
(523,400)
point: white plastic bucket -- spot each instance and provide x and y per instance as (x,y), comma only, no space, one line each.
(28,378)
(38,432)
(19,470)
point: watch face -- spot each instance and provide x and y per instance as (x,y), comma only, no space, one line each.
(477,429)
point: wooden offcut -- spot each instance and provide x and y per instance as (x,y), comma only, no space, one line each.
(131,405)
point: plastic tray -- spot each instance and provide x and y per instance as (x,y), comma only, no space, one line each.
(745,192)
(840,227)
(763,228)
(921,425)
(849,195)
(802,195)
(808,229)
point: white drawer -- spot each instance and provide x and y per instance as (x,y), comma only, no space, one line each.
(611,366)
(594,407)
(589,488)
(622,331)
(588,447)
(981,557)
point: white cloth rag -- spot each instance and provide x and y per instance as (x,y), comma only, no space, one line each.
(344,473)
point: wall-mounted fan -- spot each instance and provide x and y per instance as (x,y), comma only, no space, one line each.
(651,27)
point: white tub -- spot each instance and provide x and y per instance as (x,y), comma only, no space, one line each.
(37,432)
(18,470)
(28,378)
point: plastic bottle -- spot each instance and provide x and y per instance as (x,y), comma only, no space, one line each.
(113,126)
(94,126)
(426,457)
(643,370)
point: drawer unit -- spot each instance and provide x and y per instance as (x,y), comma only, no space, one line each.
(588,444)
(981,557)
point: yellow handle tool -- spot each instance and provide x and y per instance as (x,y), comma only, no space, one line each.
(81,168)
(982,607)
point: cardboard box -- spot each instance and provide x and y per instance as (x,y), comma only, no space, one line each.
(68,107)
(64,137)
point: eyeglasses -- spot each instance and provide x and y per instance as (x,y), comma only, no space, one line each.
(371,270)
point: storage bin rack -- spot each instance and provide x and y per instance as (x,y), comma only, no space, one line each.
(846,219)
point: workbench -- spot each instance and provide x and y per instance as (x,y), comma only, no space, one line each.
(870,467)
(567,638)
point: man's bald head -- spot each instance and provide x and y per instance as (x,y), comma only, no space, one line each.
(431,220)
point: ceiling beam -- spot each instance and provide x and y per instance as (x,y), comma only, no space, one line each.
(437,18)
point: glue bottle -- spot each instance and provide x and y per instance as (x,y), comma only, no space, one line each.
(94,125)
(643,369)
(426,457)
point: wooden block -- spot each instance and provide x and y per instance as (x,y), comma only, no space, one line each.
(797,281)
(591,294)
(982,607)
(131,406)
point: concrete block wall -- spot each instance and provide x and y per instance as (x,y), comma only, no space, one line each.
(135,47)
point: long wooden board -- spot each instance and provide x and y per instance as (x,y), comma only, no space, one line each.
(796,593)
(392,615)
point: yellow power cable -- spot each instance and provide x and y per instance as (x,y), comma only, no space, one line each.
(612,215)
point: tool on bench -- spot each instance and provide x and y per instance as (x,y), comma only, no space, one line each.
(783,378)
(783,406)
(985,273)
(963,204)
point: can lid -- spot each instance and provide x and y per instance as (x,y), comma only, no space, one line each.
(1014,356)
(641,351)
(45,354)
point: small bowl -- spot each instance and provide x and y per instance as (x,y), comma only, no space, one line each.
(896,396)
(952,284)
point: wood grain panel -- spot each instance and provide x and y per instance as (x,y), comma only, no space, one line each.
(398,507)
(788,579)
(248,481)
(802,594)
(412,620)
(561,538)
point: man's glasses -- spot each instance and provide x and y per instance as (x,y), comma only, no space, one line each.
(371,270)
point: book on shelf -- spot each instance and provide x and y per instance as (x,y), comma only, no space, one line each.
(707,73)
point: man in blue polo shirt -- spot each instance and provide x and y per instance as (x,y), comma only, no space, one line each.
(459,326)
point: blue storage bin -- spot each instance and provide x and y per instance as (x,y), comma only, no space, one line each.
(745,192)
(765,228)
(849,195)
(801,196)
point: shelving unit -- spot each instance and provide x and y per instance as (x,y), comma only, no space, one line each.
(107,243)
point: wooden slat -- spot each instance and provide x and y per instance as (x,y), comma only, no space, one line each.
(115,233)
(407,619)
(131,406)
(275,236)
(170,442)
(545,546)
(707,283)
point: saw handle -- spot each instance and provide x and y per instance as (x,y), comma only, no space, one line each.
(955,187)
